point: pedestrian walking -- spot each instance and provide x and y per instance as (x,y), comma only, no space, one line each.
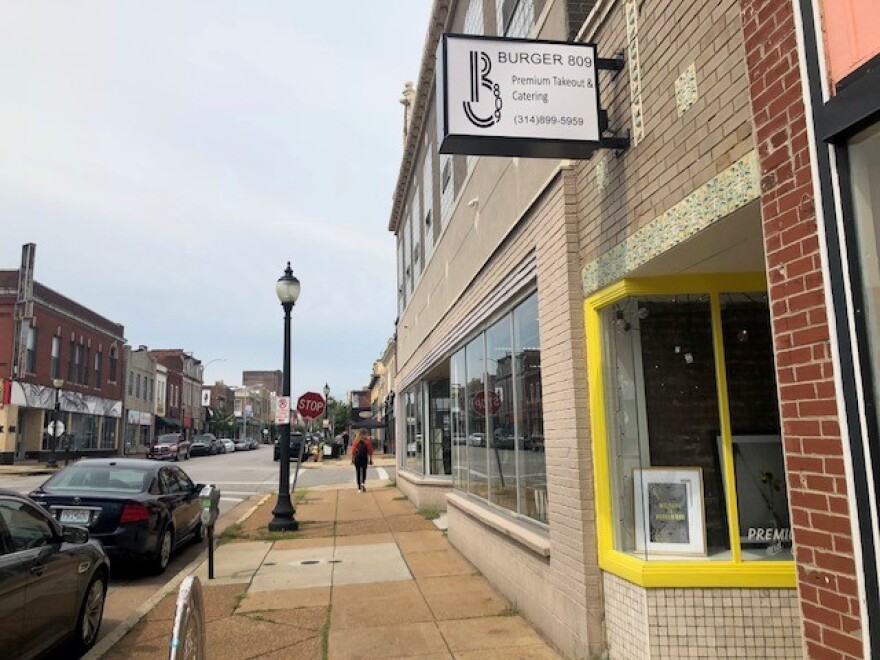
(361,456)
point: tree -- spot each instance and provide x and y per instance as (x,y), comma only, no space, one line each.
(339,414)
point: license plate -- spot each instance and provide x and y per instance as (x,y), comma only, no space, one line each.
(75,516)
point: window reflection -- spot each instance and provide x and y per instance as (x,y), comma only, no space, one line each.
(476,419)
(529,409)
(497,406)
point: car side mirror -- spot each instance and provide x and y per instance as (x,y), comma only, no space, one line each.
(74,534)
(197,488)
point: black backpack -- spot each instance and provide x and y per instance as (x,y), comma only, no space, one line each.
(361,451)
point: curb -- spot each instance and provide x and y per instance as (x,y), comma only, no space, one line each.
(110,640)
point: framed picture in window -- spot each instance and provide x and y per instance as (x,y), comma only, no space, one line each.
(669,511)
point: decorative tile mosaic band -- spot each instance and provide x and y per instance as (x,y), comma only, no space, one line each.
(635,76)
(730,190)
(686,93)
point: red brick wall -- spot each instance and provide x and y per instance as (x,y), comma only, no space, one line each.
(7,329)
(813,448)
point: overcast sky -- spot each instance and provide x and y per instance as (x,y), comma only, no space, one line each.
(169,157)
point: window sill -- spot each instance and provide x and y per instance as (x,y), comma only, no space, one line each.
(422,480)
(696,573)
(537,543)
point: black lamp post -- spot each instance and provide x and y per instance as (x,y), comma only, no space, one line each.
(328,431)
(283,521)
(58,383)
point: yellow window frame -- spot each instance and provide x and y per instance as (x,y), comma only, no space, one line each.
(653,573)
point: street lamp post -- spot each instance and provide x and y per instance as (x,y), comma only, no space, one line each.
(287,289)
(328,432)
(58,383)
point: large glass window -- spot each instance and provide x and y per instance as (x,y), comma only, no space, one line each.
(477,458)
(457,384)
(497,407)
(498,435)
(864,151)
(759,468)
(529,410)
(415,458)
(669,396)
(439,421)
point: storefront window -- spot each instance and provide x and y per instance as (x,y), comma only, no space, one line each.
(439,427)
(108,432)
(690,400)
(83,431)
(864,151)
(478,482)
(415,459)
(663,428)
(497,406)
(457,383)
(529,410)
(759,468)
(499,444)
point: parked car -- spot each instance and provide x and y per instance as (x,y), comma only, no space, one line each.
(204,445)
(241,444)
(138,509)
(53,582)
(252,444)
(296,440)
(173,446)
(228,445)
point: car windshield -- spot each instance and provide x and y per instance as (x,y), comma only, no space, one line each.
(167,439)
(101,478)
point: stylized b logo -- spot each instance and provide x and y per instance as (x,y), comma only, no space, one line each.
(481,66)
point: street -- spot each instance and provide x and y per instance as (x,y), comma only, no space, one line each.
(239,476)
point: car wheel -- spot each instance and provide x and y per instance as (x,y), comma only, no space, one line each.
(176,457)
(91,611)
(164,546)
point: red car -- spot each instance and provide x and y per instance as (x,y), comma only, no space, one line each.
(172,446)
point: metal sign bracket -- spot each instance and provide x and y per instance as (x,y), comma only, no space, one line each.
(620,141)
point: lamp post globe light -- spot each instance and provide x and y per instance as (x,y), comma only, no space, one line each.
(287,289)
(57,383)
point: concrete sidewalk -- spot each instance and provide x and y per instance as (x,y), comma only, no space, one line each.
(366,576)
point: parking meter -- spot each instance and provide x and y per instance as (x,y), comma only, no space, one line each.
(209,500)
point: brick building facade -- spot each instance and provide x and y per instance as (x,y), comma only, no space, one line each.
(183,393)
(663,313)
(47,336)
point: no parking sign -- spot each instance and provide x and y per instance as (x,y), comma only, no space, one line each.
(282,410)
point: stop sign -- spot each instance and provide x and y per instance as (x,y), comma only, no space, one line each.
(310,405)
(479,403)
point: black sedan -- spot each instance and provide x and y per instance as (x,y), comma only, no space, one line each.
(53,582)
(137,508)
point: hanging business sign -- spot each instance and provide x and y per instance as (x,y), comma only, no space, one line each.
(517,97)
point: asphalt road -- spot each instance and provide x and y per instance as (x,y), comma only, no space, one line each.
(239,476)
